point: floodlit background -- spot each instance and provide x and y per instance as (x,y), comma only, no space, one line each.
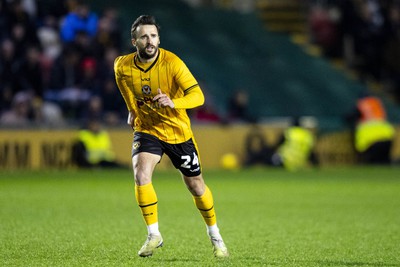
(261,61)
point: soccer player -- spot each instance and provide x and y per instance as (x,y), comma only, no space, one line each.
(158,87)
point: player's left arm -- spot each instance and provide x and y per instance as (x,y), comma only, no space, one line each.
(193,97)
(192,94)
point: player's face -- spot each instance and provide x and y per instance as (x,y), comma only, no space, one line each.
(146,41)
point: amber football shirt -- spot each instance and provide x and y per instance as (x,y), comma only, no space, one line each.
(139,83)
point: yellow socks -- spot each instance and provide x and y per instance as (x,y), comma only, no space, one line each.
(147,199)
(205,204)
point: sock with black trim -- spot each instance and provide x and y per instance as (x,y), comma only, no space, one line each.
(205,204)
(146,198)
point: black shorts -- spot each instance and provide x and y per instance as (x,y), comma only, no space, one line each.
(184,156)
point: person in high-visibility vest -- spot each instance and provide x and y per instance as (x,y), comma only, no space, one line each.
(373,133)
(296,148)
(94,147)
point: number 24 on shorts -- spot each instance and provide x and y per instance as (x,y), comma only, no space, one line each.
(189,161)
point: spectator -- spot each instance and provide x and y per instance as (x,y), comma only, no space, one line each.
(64,86)
(86,45)
(63,54)
(30,72)
(238,107)
(257,150)
(65,70)
(93,110)
(50,114)
(30,7)
(109,31)
(23,27)
(106,64)
(49,38)
(324,29)
(20,113)
(369,39)
(206,114)
(89,79)
(113,104)
(80,19)
(9,64)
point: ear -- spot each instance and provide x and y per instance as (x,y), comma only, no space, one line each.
(133,42)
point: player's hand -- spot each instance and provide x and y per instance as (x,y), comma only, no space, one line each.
(163,99)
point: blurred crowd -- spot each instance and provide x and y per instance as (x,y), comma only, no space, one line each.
(56,67)
(365,33)
(56,64)
(56,58)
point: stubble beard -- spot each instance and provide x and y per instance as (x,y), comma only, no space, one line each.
(144,55)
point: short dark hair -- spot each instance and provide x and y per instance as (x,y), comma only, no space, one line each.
(144,20)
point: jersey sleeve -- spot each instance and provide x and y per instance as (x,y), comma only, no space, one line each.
(192,98)
(193,95)
(120,79)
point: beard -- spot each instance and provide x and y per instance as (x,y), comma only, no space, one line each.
(145,55)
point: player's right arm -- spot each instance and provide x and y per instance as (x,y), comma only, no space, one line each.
(120,78)
(124,89)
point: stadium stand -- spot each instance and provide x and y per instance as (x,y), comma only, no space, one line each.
(228,50)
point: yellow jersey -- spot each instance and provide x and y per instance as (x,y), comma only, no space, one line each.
(138,84)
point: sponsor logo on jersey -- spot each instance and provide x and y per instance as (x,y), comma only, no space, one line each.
(146,89)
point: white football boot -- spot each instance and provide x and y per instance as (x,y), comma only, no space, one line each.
(150,245)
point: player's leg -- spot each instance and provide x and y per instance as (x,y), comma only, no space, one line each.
(143,167)
(185,157)
(146,153)
(204,202)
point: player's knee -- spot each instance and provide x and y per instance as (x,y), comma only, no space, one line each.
(195,185)
(142,177)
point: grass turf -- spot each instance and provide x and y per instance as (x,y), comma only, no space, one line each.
(268,217)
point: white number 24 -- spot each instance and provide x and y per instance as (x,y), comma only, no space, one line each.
(188,159)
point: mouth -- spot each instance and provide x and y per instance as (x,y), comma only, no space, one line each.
(150,49)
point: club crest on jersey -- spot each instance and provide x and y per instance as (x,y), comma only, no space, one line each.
(136,145)
(146,89)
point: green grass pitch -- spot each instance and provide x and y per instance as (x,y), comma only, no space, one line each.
(268,217)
